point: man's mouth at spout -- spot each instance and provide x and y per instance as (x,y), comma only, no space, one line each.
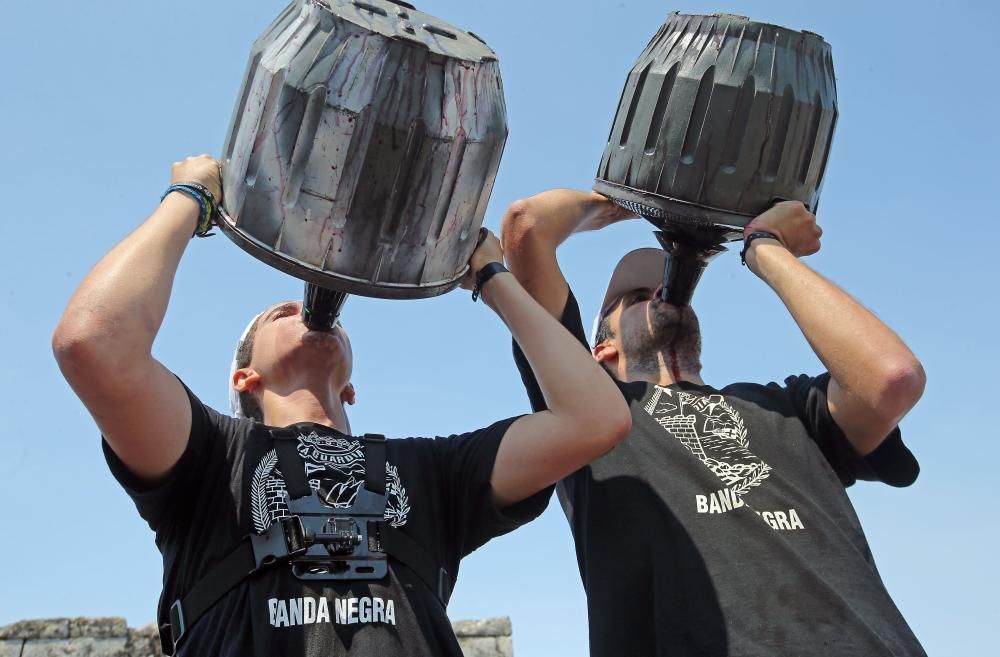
(320,337)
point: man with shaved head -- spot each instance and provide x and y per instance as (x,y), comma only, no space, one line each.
(282,533)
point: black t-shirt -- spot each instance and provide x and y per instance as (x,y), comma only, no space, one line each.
(721,525)
(228,484)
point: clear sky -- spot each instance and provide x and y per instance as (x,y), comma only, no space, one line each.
(98,98)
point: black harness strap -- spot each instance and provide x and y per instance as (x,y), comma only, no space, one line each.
(286,539)
(222,577)
(374,462)
(415,557)
(290,462)
(282,540)
(394,542)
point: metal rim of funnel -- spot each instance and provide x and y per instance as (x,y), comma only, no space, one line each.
(712,224)
(741,18)
(356,286)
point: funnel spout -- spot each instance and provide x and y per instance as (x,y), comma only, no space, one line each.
(321,307)
(685,264)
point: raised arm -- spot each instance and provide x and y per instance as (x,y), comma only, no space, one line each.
(533,229)
(875,378)
(586,415)
(103,342)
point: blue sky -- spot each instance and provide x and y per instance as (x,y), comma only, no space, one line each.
(97,100)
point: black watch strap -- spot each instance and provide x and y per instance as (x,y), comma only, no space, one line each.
(485,274)
(757,234)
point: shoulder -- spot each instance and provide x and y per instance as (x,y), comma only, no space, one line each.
(785,398)
(750,388)
(418,443)
(790,387)
(208,422)
(456,448)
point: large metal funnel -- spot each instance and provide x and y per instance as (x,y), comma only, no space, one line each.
(363,148)
(721,116)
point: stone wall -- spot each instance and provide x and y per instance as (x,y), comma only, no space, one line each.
(112,637)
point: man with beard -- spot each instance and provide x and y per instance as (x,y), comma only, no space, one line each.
(244,510)
(721,525)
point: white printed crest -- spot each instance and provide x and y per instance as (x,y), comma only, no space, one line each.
(335,468)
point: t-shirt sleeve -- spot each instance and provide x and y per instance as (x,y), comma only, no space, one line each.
(573,322)
(467,462)
(891,462)
(171,500)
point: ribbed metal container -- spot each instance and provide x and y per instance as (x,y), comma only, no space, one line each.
(720,117)
(363,148)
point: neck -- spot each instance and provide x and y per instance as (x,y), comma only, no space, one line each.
(301,404)
(670,367)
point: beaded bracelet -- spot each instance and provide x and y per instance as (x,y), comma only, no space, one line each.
(205,222)
(206,200)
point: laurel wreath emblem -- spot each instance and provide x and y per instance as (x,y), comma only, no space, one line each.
(741,430)
(757,474)
(398,506)
(258,492)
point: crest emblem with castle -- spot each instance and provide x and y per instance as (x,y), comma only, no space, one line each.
(712,430)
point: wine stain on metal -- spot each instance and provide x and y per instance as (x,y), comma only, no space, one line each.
(363,148)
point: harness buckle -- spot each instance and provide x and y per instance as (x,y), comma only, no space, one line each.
(177,624)
(443,586)
(283,540)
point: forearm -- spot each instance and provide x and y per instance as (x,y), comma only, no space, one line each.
(553,215)
(571,381)
(586,416)
(533,229)
(121,303)
(863,355)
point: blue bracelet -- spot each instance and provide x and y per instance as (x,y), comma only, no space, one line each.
(206,220)
(204,201)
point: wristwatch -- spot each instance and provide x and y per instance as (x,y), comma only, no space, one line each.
(485,274)
(757,234)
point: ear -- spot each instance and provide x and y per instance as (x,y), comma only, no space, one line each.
(606,352)
(246,379)
(348,394)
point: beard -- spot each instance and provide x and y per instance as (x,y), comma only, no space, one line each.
(670,335)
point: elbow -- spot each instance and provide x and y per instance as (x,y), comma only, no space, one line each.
(622,425)
(519,217)
(75,348)
(900,386)
(85,348)
(519,227)
(610,426)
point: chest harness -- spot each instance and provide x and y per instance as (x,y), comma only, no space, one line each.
(317,541)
